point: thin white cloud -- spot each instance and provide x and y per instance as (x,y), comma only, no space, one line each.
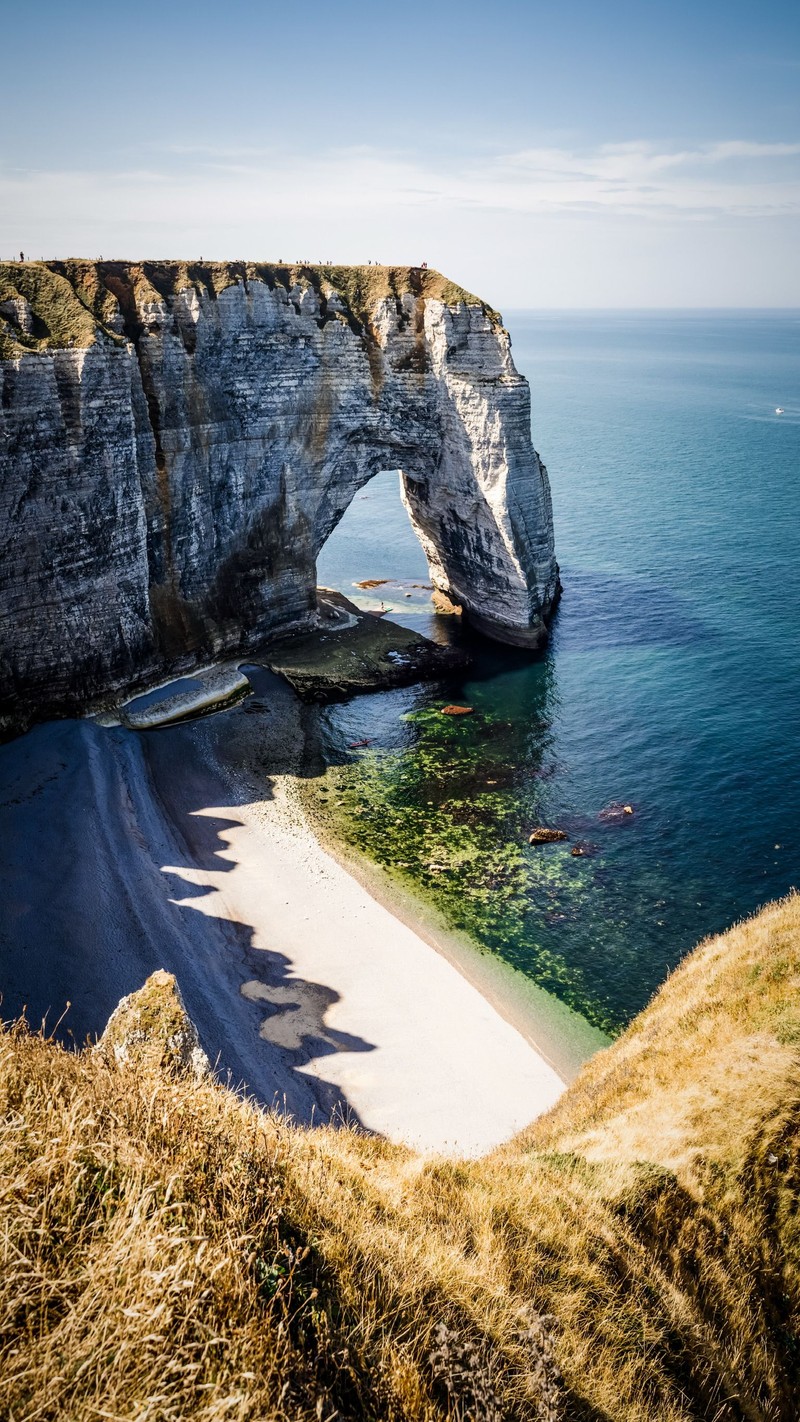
(734,177)
(631,223)
(740,149)
(642,178)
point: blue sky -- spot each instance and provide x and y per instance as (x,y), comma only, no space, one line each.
(560,154)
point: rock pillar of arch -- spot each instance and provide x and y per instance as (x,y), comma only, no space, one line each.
(457,425)
(484,514)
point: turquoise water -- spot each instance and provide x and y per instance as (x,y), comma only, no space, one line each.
(672,678)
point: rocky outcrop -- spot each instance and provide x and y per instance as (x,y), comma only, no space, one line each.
(355,651)
(178,441)
(151,1027)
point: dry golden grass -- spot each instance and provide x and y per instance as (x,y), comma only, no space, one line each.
(59,317)
(170,1252)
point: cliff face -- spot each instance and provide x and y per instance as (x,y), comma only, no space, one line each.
(177,442)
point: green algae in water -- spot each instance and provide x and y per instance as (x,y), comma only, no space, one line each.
(445,813)
(671,676)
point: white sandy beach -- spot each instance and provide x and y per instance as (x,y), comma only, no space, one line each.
(188,849)
(431,1062)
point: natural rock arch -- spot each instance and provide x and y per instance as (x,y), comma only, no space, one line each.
(475,490)
(179,441)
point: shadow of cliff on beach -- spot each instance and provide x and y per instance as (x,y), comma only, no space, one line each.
(89,818)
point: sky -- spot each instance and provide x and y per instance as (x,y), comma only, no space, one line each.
(566,154)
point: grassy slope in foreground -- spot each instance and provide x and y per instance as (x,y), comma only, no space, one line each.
(169,1252)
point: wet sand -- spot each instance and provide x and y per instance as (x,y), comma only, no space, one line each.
(187,849)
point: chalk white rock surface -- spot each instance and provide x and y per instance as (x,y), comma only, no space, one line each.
(177,442)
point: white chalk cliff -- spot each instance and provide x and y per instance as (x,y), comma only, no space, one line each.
(177,441)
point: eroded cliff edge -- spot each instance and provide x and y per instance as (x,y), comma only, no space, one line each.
(178,440)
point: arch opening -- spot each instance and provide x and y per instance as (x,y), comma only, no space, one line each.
(375,558)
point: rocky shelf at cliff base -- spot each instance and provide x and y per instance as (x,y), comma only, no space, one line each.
(178,440)
(209,689)
(354,651)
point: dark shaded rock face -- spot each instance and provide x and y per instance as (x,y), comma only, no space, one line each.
(177,442)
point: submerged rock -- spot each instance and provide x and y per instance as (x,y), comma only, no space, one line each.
(152,1027)
(616,813)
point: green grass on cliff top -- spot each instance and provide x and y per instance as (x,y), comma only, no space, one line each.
(74,301)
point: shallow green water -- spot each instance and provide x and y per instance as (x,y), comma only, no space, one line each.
(447,810)
(671,682)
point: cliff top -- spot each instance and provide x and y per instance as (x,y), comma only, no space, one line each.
(56,304)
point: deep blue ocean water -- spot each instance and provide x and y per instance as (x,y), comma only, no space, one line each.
(672,679)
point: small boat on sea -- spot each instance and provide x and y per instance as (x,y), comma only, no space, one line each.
(779,409)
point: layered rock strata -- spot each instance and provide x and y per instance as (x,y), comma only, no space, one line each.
(177,441)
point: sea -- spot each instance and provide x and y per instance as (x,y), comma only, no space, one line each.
(670,685)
